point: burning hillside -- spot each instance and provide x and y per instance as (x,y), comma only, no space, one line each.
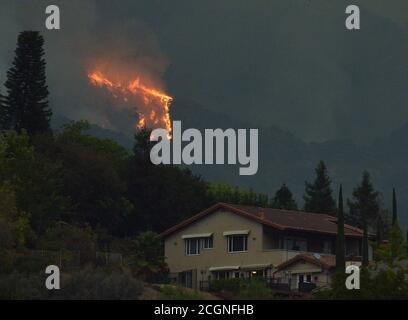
(151,104)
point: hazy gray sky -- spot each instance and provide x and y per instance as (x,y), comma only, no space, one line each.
(286,63)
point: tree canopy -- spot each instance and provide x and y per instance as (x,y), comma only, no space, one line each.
(283,199)
(318,194)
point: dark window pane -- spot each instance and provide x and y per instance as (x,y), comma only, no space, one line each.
(208,242)
(192,246)
(237,243)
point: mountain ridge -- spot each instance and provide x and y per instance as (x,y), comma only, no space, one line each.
(285,158)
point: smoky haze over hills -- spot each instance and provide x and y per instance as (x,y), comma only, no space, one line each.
(290,64)
(278,65)
(285,158)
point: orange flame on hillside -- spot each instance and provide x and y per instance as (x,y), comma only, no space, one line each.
(156,104)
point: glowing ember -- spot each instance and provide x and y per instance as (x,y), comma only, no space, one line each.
(154,111)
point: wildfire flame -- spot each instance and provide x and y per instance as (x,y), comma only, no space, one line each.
(156,104)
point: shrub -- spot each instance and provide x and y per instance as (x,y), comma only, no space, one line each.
(148,260)
(101,285)
(169,292)
(83,285)
(65,237)
(20,286)
(243,288)
(33,262)
(255,289)
(231,285)
(382,283)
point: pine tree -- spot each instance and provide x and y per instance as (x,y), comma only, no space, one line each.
(407,241)
(394,250)
(352,218)
(142,146)
(380,230)
(398,246)
(340,242)
(366,205)
(26,104)
(394,208)
(3,114)
(283,199)
(318,195)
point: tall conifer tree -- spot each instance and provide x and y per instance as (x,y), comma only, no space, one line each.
(407,241)
(340,244)
(318,195)
(2,112)
(366,204)
(26,102)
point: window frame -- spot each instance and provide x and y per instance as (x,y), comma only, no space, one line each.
(188,246)
(306,278)
(230,243)
(207,240)
(298,244)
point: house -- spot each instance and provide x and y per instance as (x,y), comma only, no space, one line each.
(306,271)
(236,241)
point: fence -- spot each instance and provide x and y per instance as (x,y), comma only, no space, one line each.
(108,258)
(62,258)
(276,285)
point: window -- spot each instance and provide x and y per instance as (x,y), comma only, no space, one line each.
(192,246)
(222,275)
(237,243)
(207,242)
(296,244)
(195,244)
(327,248)
(305,278)
(255,273)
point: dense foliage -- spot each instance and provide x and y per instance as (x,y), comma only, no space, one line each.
(365,208)
(87,284)
(283,199)
(220,192)
(239,288)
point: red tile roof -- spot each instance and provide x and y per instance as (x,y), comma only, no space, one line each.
(326,262)
(278,219)
(300,220)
